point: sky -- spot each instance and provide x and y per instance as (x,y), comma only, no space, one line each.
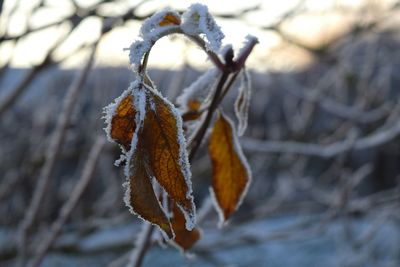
(175,51)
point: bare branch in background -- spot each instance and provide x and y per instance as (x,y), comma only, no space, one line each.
(53,153)
(68,207)
(322,140)
(377,139)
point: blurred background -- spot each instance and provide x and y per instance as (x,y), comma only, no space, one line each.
(323,139)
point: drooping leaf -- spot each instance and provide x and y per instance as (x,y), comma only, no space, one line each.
(165,148)
(231,174)
(149,129)
(184,238)
(242,102)
(123,120)
(140,194)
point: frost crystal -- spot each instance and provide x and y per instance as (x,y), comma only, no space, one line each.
(197,20)
(242,102)
(109,112)
(136,52)
(197,90)
(249,39)
(152,24)
(139,104)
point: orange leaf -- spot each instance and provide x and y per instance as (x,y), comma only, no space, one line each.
(165,149)
(170,19)
(183,238)
(143,118)
(140,194)
(231,174)
(123,123)
(193,112)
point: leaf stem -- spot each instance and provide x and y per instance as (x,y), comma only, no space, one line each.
(198,137)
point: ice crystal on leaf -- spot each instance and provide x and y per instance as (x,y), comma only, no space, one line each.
(197,20)
(242,102)
(164,18)
(196,94)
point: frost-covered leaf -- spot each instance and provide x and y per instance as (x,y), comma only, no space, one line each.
(149,129)
(152,29)
(170,19)
(120,120)
(166,153)
(196,95)
(231,173)
(184,238)
(123,123)
(151,26)
(242,102)
(197,20)
(140,196)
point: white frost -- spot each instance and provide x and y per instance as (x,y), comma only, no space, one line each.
(249,40)
(197,20)
(137,50)
(109,112)
(197,90)
(152,24)
(242,102)
(220,212)
(139,105)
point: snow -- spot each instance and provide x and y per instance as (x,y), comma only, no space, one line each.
(197,20)
(242,102)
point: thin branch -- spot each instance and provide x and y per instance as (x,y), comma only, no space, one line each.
(70,204)
(336,108)
(379,138)
(16,92)
(53,152)
(140,249)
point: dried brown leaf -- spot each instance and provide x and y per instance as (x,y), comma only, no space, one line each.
(170,19)
(166,152)
(141,193)
(231,174)
(123,123)
(183,238)
(242,103)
